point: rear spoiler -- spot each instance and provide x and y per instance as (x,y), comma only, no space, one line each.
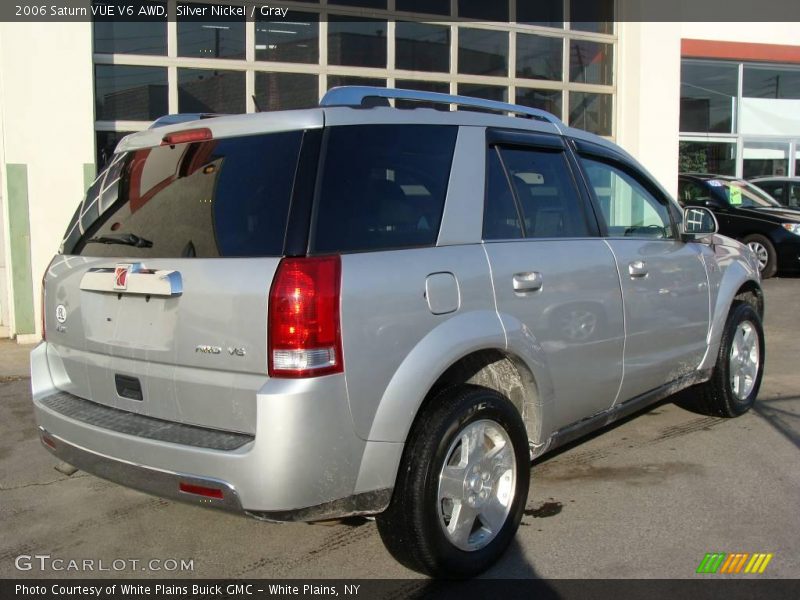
(182,118)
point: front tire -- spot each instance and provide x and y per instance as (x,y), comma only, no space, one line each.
(462,485)
(733,387)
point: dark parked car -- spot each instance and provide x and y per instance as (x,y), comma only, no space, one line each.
(785,190)
(750,215)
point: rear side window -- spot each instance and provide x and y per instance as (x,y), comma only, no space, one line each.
(223,197)
(382,187)
(548,200)
(541,186)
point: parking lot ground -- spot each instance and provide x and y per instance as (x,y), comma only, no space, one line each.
(647,498)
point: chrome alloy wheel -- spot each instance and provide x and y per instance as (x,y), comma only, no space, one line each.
(761,254)
(744,360)
(477,485)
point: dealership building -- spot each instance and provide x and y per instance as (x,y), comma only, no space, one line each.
(714,97)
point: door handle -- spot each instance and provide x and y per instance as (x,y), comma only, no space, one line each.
(527,282)
(637,269)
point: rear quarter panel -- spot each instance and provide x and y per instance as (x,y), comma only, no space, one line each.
(394,346)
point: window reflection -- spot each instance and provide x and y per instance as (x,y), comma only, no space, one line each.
(765,158)
(590,62)
(591,112)
(769,82)
(130,93)
(293,39)
(422,47)
(210,37)
(357,43)
(482,52)
(708,96)
(707,157)
(539,57)
(211,91)
(486,92)
(340,80)
(130,37)
(549,100)
(282,91)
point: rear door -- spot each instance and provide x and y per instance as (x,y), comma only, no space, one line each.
(158,303)
(552,273)
(664,282)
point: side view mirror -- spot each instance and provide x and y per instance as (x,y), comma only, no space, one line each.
(698,223)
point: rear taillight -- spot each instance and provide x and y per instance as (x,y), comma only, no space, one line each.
(304,334)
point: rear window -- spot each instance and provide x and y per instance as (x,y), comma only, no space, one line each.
(223,197)
(382,187)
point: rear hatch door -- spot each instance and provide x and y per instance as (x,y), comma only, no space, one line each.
(158,303)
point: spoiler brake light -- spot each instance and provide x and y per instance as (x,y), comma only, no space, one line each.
(201,134)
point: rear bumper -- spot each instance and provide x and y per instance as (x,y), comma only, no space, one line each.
(153,481)
(304,463)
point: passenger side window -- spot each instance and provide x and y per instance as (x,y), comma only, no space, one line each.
(628,208)
(542,194)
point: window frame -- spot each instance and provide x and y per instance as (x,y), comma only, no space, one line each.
(497,139)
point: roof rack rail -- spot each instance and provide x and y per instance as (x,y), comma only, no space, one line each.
(366,96)
(181,118)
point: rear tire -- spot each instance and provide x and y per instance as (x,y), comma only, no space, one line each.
(462,485)
(733,387)
(765,253)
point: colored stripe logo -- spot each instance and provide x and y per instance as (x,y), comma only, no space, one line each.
(734,563)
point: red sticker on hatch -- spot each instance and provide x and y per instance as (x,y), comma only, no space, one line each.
(121,277)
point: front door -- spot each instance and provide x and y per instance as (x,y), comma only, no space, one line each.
(664,282)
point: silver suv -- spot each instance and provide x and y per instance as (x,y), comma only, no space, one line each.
(359,309)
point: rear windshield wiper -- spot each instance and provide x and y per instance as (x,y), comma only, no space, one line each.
(125,239)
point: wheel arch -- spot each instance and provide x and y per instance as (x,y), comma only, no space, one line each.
(751,293)
(739,282)
(478,355)
(499,370)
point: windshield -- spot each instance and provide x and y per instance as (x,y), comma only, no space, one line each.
(741,194)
